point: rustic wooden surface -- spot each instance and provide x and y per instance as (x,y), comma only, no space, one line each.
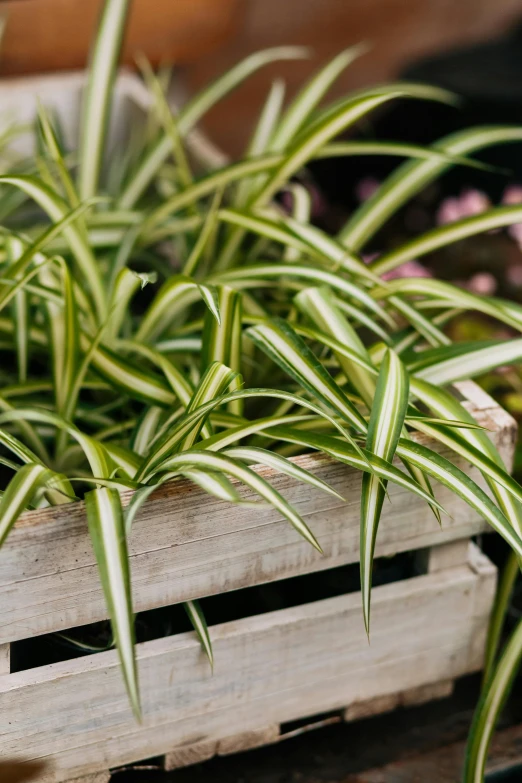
(269,669)
(5,659)
(48,35)
(186,544)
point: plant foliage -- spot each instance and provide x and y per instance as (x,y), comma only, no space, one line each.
(166,319)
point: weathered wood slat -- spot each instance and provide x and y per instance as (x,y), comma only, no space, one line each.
(5,658)
(269,669)
(186,545)
(412,697)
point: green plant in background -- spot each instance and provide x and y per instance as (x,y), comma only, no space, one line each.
(263,336)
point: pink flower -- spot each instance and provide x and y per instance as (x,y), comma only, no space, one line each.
(470,202)
(408,269)
(473,202)
(448,212)
(366,187)
(512,195)
(482,283)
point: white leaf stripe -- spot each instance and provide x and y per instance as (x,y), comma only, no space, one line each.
(199,624)
(105,519)
(387,417)
(173,436)
(251,275)
(262,456)
(279,341)
(344,452)
(412,176)
(98,93)
(196,108)
(488,710)
(227,465)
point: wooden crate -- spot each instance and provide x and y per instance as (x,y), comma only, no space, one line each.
(269,669)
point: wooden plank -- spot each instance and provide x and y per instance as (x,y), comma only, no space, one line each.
(502,427)
(187,545)
(438,558)
(97,777)
(269,669)
(193,753)
(248,740)
(389,702)
(5,658)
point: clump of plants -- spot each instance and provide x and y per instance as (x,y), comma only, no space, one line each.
(164,319)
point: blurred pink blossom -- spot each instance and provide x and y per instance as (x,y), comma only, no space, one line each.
(482,283)
(473,202)
(470,202)
(366,187)
(513,195)
(448,212)
(409,269)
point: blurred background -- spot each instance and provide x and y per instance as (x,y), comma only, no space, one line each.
(205,37)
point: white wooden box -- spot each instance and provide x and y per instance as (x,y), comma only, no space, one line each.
(269,669)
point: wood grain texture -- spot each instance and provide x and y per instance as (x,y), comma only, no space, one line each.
(50,35)
(5,658)
(391,701)
(269,669)
(187,545)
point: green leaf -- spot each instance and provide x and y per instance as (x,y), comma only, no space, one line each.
(460,361)
(215,484)
(344,452)
(444,404)
(221,342)
(187,423)
(216,378)
(319,135)
(196,108)
(277,275)
(319,305)
(256,455)
(442,236)
(58,209)
(499,612)
(20,492)
(98,94)
(488,710)
(441,294)
(197,618)
(129,378)
(455,479)
(281,343)
(219,462)
(105,520)
(260,139)
(413,176)
(310,96)
(20,310)
(387,417)
(176,294)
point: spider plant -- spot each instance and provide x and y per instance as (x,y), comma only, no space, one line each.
(163,318)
